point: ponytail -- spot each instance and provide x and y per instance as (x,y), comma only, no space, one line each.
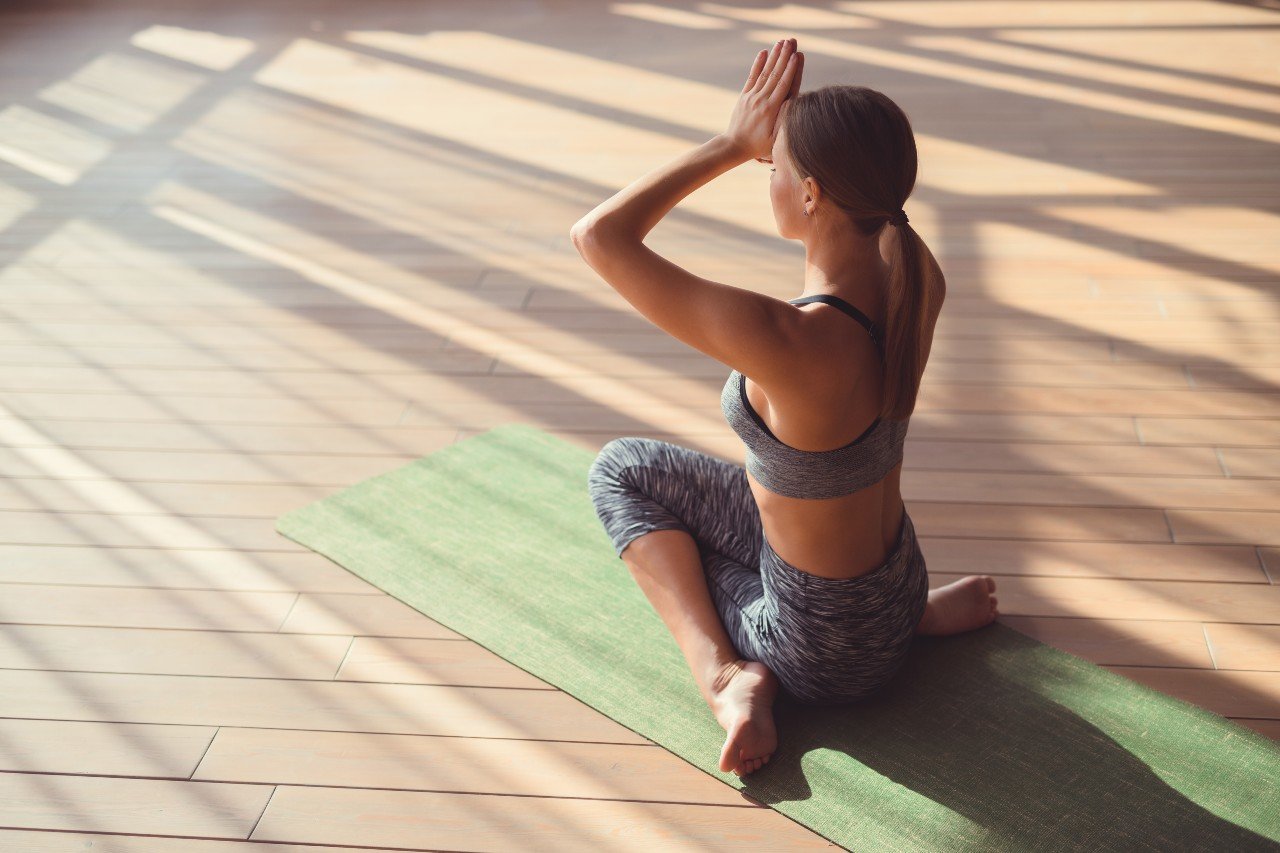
(906,325)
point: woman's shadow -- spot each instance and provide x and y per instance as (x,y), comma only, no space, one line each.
(1000,728)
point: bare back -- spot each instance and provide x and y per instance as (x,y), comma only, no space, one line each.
(835,399)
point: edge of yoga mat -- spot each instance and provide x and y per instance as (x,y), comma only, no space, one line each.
(987,740)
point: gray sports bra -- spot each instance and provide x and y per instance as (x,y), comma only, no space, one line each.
(797,473)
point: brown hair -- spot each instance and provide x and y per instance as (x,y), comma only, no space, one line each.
(858,146)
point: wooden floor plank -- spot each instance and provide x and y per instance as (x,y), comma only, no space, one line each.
(305,336)
(1096,598)
(364,615)
(429,661)
(1259,376)
(1270,558)
(43,841)
(1240,432)
(1121,642)
(178,568)
(1202,525)
(224,610)
(1210,352)
(1244,646)
(249,438)
(186,305)
(465,765)
(103,530)
(181,354)
(408,819)
(114,804)
(1119,460)
(225,409)
(315,384)
(230,653)
(78,495)
(1163,402)
(108,749)
(1110,560)
(1005,520)
(1244,462)
(454,711)
(1102,323)
(1210,492)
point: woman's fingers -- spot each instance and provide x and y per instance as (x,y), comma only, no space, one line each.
(782,60)
(756,67)
(796,74)
(789,79)
(768,74)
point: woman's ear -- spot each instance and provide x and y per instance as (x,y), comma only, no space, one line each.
(812,189)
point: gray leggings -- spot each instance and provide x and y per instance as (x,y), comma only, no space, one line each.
(828,640)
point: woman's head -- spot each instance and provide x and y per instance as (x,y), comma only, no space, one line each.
(846,156)
(841,150)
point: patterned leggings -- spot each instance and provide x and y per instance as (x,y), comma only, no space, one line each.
(829,641)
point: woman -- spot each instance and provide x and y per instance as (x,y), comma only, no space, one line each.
(800,571)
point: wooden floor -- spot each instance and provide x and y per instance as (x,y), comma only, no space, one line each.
(251,254)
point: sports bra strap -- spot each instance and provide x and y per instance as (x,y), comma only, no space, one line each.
(847,308)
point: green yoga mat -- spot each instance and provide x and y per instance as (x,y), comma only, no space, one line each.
(989,740)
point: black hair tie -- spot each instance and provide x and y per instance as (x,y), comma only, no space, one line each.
(899,219)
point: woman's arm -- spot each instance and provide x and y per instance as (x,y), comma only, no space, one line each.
(751,332)
(632,212)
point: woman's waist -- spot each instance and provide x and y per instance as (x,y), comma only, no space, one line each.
(834,542)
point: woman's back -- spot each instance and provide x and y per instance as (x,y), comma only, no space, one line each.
(834,399)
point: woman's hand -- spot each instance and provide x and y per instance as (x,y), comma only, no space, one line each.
(774,77)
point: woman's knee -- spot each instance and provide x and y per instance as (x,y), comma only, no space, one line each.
(615,457)
(607,475)
(609,461)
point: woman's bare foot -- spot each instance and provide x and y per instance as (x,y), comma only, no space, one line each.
(742,697)
(964,605)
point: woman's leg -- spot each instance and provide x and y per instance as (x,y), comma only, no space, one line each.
(687,526)
(668,568)
(685,523)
